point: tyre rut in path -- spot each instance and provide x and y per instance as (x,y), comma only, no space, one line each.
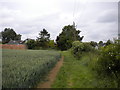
(52,75)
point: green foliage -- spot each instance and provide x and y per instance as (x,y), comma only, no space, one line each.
(100,44)
(9,34)
(108,42)
(78,48)
(77,73)
(42,42)
(31,44)
(110,58)
(51,44)
(109,61)
(81,73)
(67,36)
(94,44)
(26,68)
(43,39)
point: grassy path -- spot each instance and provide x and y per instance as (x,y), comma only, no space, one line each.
(75,73)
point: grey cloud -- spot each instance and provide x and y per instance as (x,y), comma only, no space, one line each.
(10,5)
(108,17)
(85,17)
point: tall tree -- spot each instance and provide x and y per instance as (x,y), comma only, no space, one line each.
(43,39)
(67,36)
(9,34)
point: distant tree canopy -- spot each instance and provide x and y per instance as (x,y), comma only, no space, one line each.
(67,36)
(51,44)
(42,42)
(100,44)
(9,34)
(108,42)
(43,39)
(31,44)
(94,44)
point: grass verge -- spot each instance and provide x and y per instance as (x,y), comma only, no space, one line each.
(80,73)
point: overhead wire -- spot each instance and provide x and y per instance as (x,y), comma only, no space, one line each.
(74,8)
(75,11)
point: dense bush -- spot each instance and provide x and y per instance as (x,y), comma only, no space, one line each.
(31,44)
(78,48)
(109,61)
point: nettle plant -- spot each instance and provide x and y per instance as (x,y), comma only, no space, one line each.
(109,61)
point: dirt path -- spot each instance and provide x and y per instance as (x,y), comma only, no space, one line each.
(52,75)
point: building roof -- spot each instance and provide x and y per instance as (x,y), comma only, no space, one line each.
(14,42)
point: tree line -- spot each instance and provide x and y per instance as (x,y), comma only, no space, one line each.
(63,41)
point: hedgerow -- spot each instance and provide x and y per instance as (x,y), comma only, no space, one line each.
(108,63)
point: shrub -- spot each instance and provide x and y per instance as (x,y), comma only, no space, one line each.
(109,61)
(78,48)
(31,44)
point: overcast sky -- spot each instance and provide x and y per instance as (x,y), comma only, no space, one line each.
(96,20)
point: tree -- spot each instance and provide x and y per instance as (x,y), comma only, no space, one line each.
(9,34)
(67,36)
(51,44)
(18,37)
(108,42)
(100,43)
(31,44)
(43,39)
(94,44)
